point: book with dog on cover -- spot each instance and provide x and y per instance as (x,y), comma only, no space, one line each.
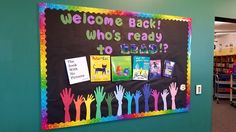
(100,68)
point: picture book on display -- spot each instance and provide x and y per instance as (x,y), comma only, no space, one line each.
(121,68)
(77,70)
(100,68)
(141,67)
(169,68)
(155,69)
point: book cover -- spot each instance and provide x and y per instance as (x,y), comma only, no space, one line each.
(155,69)
(169,68)
(121,68)
(77,70)
(100,68)
(141,66)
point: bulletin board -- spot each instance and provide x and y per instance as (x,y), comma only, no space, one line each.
(101,65)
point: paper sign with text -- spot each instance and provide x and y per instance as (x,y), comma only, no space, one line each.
(77,70)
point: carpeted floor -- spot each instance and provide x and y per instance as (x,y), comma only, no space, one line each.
(224,117)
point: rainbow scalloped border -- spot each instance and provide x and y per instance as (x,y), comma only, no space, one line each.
(43,64)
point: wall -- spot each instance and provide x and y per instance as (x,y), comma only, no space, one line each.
(19,60)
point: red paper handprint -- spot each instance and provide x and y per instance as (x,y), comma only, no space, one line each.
(67,97)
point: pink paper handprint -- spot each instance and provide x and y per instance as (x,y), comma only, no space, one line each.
(173,92)
(155,95)
(67,98)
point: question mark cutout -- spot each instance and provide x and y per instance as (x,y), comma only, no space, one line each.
(166,46)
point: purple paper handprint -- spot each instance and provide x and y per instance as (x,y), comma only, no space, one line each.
(129,98)
(67,98)
(136,98)
(173,92)
(146,92)
(119,93)
(163,96)
(155,95)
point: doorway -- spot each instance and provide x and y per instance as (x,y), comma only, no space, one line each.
(224,112)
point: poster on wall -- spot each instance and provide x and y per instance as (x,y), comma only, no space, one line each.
(222,48)
(100,68)
(155,69)
(121,68)
(101,65)
(77,70)
(141,66)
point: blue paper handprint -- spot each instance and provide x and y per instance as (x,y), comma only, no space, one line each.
(129,98)
(146,92)
(136,98)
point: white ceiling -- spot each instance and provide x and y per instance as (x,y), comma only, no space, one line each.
(222,28)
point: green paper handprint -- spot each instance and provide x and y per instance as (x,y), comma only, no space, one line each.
(109,99)
(99,95)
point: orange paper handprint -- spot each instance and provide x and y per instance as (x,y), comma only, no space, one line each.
(78,103)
